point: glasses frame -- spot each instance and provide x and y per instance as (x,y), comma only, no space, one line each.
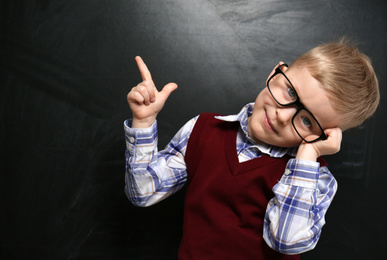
(297,103)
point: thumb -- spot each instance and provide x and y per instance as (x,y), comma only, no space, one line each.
(168,89)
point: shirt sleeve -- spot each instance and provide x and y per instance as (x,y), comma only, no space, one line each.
(152,175)
(295,216)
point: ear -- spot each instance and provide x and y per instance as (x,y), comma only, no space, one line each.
(284,68)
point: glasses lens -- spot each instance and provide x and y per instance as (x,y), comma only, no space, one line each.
(281,89)
(306,125)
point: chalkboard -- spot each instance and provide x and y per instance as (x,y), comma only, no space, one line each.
(66,68)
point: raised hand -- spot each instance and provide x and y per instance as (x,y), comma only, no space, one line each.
(145,100)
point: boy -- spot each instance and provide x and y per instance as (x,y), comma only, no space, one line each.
(256,181)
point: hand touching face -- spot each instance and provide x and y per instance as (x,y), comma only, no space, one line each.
(271,123)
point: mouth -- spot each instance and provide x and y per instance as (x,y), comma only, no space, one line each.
(268,123)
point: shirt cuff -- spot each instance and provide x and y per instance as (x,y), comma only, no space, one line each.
(140,140)
(301,173)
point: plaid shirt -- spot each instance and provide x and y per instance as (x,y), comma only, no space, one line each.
(294,217)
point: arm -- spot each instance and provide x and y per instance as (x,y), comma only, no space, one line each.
(152,176)
(295,216)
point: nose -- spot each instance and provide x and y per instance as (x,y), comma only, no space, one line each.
(285,114)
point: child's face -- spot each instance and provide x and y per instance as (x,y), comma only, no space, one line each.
(271,123)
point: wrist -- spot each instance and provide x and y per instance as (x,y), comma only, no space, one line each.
(307,152)
(301,173)
(143,123)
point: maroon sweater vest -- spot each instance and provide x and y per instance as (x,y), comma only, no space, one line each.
(226,200)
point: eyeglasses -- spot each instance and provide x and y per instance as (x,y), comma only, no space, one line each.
(283,92)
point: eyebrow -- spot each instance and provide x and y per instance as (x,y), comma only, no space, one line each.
(299,98)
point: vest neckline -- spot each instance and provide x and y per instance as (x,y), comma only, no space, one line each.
(237,167)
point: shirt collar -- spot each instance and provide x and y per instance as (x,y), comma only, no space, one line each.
(242,118)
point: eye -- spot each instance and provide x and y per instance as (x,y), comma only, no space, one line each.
(292,93)
(306,121)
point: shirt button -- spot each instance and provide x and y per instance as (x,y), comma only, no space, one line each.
(287,172)
(131,139)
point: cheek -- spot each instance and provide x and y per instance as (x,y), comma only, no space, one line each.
(265,98)
(292,137)
(263,95)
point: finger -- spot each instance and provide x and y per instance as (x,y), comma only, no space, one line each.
(144,71)
(335,133)
(145,94)
(135,97)
(168,89)
(151,89)
(334,138)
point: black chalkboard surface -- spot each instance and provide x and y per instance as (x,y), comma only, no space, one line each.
(66,67)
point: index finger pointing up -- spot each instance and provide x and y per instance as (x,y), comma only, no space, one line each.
(145,73)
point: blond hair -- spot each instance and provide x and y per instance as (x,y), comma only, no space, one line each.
(347,76)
